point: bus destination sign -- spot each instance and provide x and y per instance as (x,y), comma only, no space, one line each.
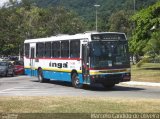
(110,36)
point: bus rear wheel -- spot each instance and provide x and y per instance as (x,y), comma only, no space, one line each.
(75,81)
(40,76)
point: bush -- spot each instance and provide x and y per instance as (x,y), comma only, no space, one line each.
(156,59)
(142,61)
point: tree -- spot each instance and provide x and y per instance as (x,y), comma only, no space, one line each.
(8,34)
(144,20)
(27,21)
(153,46)
(62,21)
(120,22)
(86,9)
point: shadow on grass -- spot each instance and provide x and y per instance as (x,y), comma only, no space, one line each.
(151,68)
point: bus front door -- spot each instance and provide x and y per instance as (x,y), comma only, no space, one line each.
(85,63)
(32,60)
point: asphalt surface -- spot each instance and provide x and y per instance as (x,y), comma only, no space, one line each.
(29,86)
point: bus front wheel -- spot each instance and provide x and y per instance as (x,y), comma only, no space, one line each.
(75,81)
(40,76)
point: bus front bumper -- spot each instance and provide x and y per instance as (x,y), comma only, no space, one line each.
(110,78)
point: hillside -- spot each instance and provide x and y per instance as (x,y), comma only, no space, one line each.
(86,9)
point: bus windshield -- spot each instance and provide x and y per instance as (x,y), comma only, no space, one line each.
(109,54)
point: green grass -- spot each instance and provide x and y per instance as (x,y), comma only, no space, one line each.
(148,72)
(77,105)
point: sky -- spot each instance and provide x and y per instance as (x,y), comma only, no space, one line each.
(3,1)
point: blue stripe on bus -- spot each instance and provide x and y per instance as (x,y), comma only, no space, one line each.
(61,76)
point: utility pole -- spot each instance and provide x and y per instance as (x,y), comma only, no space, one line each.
(97,17)
(134,6)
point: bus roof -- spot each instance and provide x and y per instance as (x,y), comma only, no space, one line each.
(68,37)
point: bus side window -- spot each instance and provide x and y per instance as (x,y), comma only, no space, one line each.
(40,50)
(56,49)
(27,47)
(48,49)
(65,49)
(75,49)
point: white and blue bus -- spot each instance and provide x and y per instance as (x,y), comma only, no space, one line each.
(87,58)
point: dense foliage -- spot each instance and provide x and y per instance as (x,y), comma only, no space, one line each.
(43,18)
(86,9)
(145,38)
(29,21)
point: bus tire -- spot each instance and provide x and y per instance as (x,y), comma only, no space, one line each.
(40,76)
(75,80)
(108,86)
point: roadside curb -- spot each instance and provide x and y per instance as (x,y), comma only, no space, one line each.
(135,83)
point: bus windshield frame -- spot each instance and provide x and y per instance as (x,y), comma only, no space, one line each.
(109,54)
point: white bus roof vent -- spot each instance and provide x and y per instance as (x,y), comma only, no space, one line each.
(62,35)
(91,32)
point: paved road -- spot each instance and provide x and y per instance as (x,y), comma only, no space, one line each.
(29,86)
